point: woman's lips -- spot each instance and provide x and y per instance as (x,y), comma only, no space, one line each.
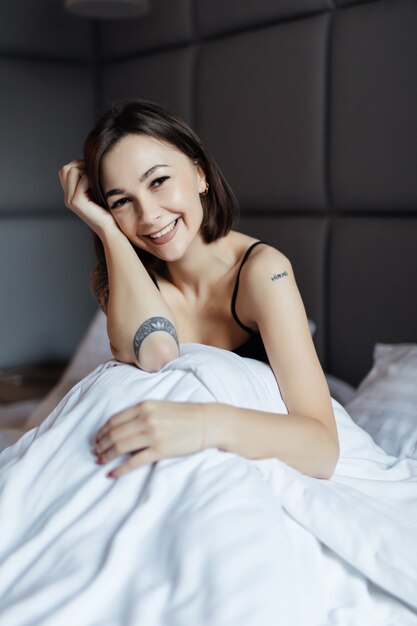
(168,236)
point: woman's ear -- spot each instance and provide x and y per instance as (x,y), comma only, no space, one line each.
(201,176)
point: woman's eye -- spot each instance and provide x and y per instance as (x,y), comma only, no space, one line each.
(119,203)
(159,181)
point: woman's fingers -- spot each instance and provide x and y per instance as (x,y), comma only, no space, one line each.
(112,439)
(76,186)
(76,164)
(76,182)
(144,457)
(124,445)
(158,428)
(118,419)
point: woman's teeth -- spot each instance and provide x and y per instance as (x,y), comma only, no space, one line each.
(164,231)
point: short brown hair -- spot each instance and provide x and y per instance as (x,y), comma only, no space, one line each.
(220,206)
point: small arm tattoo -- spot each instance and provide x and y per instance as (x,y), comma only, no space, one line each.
(277,276)
(152,325)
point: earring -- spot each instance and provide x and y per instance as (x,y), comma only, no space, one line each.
(205,192)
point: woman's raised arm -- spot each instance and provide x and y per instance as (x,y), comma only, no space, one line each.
(140,325)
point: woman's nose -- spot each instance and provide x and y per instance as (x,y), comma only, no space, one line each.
(148,214)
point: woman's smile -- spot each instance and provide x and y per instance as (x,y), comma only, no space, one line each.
(165,234)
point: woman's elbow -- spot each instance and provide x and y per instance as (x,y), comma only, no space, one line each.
(332,459)
(151,357)
(160,358)
(157,353)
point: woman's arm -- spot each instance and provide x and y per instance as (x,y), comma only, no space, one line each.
(135,308)
(140,325)
(307,437)
(156,429)
(302,442)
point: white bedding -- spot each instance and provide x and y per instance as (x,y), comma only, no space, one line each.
(207,539)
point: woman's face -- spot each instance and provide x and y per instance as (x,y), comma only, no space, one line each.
(150,186)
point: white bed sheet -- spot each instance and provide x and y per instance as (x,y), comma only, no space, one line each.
(210,538)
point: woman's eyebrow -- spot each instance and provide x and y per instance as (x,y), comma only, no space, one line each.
(150,171)
(118,192)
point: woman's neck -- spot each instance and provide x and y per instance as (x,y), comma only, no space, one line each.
(198,272)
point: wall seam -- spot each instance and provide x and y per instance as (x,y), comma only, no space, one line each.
(42,58)
(199,38)
(195,52)
(327,130)
(96,66)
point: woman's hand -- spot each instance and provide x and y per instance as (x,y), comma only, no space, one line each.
(75,184)
(151,430)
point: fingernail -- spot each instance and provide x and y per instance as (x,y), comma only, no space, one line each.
(110,475)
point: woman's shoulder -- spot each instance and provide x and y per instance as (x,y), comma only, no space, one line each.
(260,256)
(264,265)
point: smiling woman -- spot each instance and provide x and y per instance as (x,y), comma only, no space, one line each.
(172,271)
(182,436)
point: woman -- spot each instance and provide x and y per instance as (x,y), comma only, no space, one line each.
(169,269)
(233,535)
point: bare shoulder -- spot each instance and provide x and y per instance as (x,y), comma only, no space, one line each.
(267,263)
(263,253)
(266,273)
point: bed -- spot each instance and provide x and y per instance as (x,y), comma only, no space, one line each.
(213,538)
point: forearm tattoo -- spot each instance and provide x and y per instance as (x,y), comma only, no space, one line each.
(278,276)
(152,325)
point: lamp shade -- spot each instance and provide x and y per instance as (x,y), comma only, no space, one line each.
(108,9)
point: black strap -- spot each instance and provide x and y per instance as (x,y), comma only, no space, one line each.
(154,280)
(233,304)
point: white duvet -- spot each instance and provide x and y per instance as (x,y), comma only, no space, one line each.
(207,539)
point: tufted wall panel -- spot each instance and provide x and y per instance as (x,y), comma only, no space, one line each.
(47,103)
(168,25)
(44,264)
(373,155)
(42,29)
(372,290)
(310,109)
(166,76)
(45,111)
(215,17)
(259,119)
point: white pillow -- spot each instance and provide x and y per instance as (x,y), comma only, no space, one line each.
(385,403)
(93,350)
(340,390)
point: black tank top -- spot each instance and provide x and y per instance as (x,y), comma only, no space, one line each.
(253,347)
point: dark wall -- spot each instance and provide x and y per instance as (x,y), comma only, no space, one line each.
(309,107)
(47,104)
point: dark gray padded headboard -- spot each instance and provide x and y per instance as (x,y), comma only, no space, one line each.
(310,108)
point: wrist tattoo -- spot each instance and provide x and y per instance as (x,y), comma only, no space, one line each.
(152,325)
(277,276)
